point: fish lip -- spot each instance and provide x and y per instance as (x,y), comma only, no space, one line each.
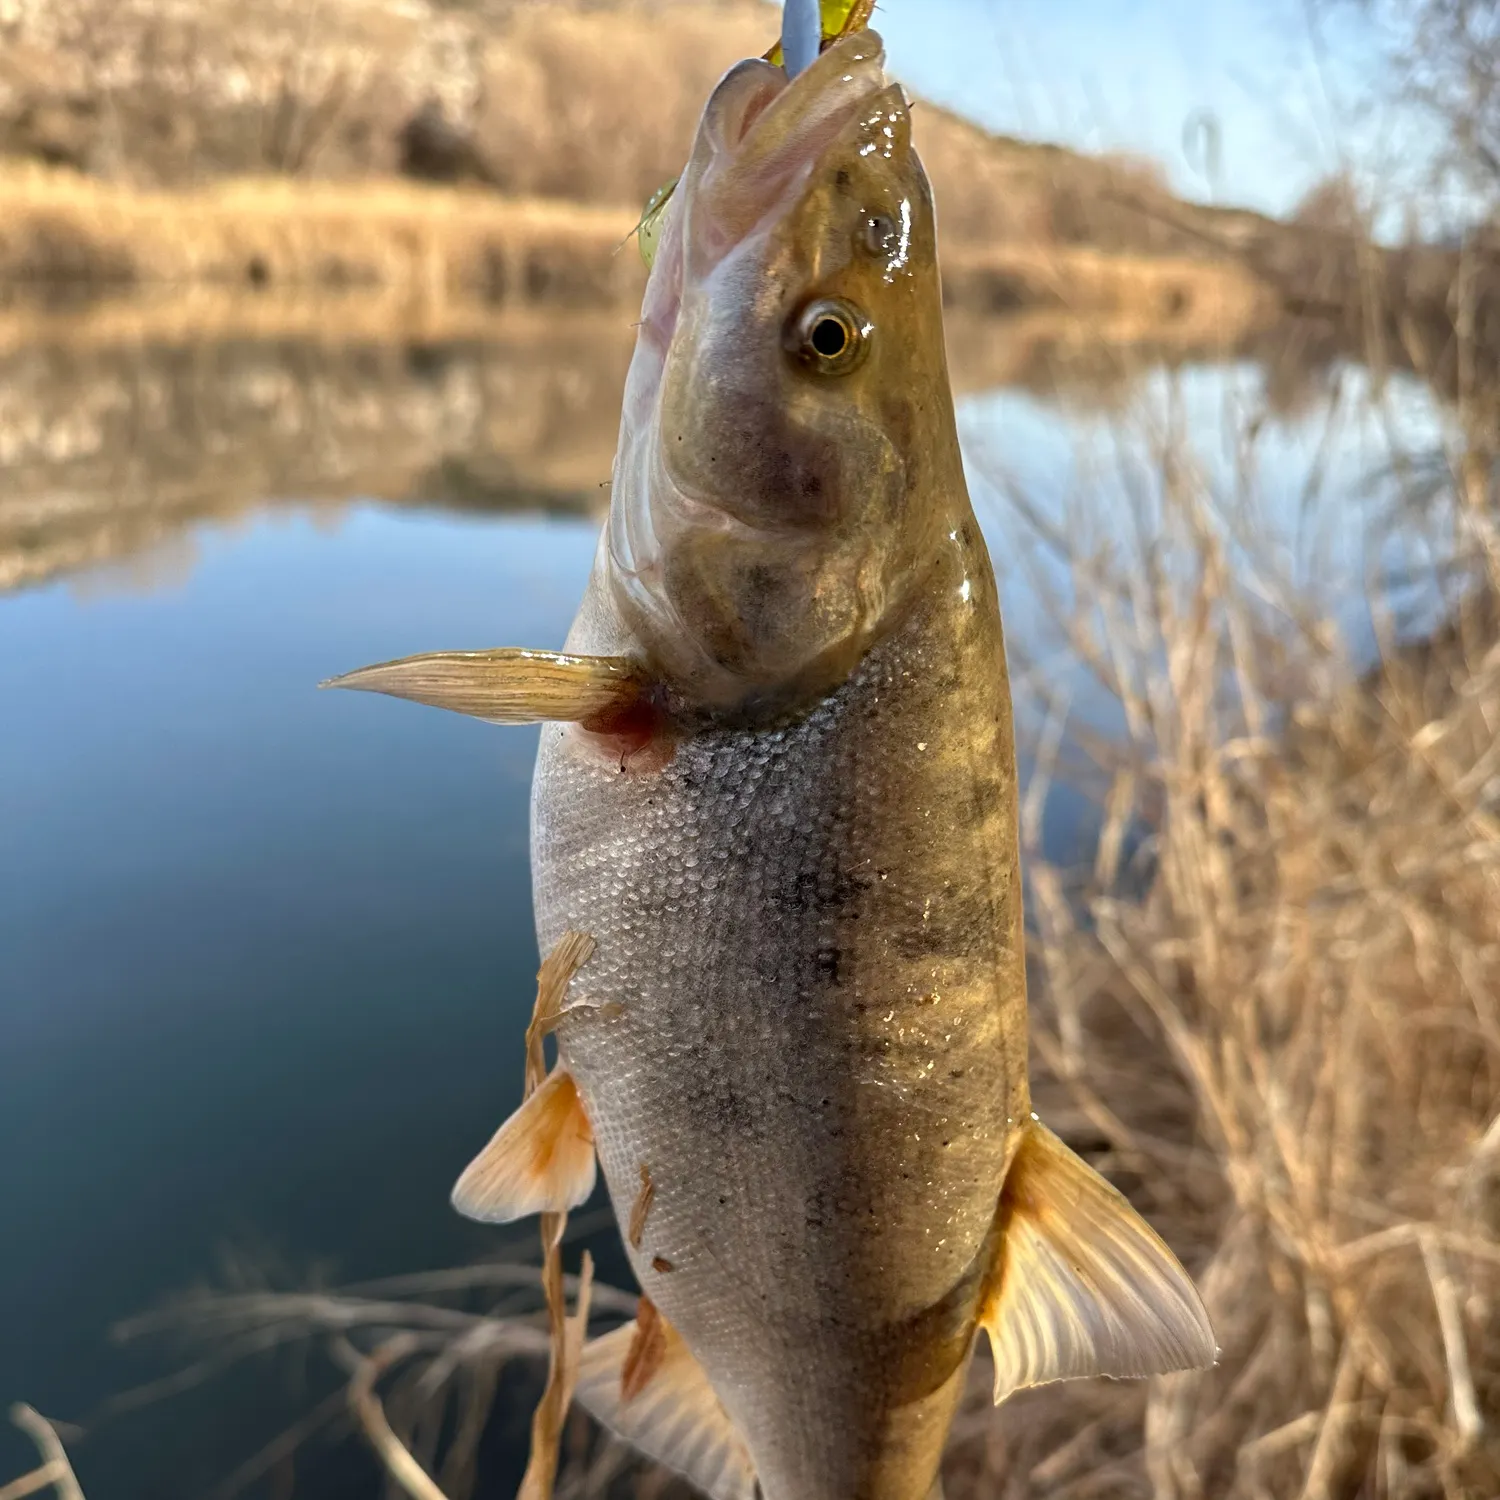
(767,133)
(839,79)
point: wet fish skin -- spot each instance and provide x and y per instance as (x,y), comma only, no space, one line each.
(810,919)
(766,524)
(775,861)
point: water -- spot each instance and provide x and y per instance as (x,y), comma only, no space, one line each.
(266,954)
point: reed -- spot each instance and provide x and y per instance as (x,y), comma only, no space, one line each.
(64,236)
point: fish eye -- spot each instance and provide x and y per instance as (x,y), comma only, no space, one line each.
(830,336)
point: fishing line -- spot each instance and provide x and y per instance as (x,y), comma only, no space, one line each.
(801,35)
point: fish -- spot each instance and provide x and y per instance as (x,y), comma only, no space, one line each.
(775,828)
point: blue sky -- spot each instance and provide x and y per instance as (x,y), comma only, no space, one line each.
(1132,74)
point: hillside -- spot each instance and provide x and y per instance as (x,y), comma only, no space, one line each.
(587,100)
(152,141)
(496,153)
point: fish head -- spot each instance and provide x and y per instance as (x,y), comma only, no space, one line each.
(788,440)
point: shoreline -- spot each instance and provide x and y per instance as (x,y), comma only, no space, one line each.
(72,245)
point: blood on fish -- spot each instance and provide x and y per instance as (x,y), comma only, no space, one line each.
(638,736)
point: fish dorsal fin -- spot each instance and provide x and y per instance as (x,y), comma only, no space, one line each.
(672,1415)
(540,1161)
(1082,1285)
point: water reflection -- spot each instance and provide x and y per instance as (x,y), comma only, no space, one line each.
(106,453)
(267,953)
(121,438)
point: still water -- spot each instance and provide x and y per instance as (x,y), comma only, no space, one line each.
(266,954)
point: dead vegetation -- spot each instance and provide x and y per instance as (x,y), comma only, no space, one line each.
(69,238)
(1269,1009)
(54,1472)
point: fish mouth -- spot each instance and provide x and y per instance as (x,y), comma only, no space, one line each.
(764,134)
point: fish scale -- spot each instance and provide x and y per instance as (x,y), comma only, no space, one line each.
(857,1144)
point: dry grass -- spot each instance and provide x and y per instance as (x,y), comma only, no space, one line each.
(431,1350)
(54,1472)
(1277,1025)
(70,246)
(62,234)
(1127,296)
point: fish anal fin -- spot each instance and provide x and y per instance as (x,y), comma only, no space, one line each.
(540,1161)
(512,685)
(670,1413)
(1082,1285)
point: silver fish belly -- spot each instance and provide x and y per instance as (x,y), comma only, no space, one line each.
(805,1018)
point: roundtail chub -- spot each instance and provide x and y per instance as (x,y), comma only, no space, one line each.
(776,791)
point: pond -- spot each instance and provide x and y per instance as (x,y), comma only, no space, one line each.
(266,954)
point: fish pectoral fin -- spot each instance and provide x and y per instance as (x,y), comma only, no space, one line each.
(509,685)
(1082,1285)
(643,1384)
(540,1161)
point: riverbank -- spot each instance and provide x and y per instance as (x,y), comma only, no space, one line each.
(71,243)
(501,153)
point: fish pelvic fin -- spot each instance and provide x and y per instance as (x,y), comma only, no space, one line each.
(643,1384)
(541,1160)
(509,685)
(1082,1285)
